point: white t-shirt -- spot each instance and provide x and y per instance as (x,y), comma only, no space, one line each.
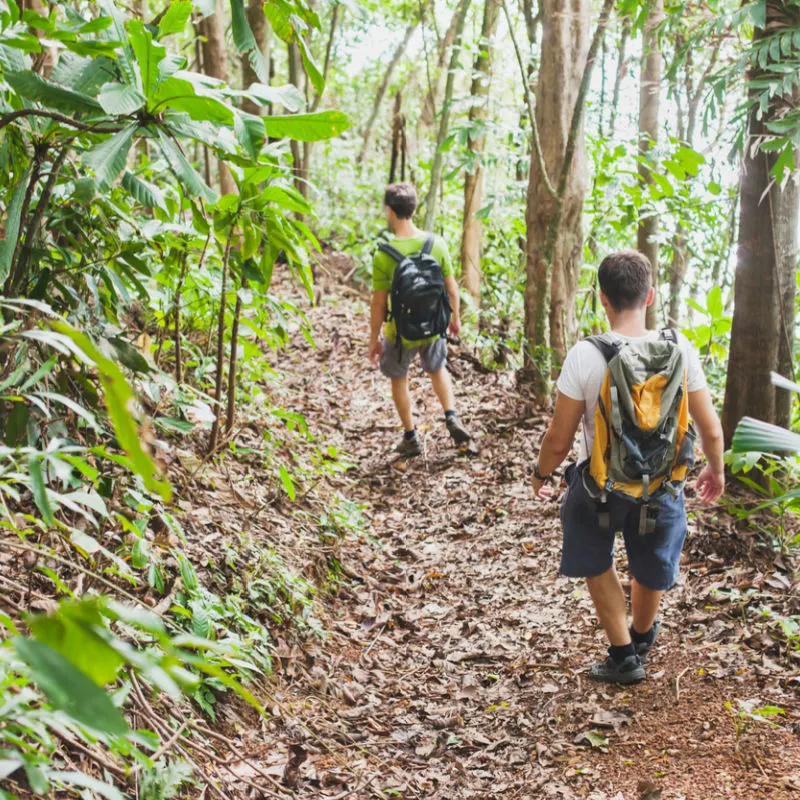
(585,369)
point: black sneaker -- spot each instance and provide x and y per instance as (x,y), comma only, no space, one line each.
(609,671)
(643,648)
(408,447)
(458,432)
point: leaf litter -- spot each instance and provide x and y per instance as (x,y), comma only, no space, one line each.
(454,660)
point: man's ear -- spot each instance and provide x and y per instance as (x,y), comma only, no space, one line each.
(605,302)
(651,296)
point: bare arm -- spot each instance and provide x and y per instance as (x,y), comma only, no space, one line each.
(711,481)
(455,304)
(560,436)
(377,314)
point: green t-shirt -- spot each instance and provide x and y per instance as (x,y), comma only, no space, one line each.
(383,266)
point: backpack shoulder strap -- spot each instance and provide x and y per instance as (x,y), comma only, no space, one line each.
(384,247)
(608,347)
(428,245)
(669,335)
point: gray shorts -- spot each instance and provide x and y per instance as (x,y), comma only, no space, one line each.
(396,360)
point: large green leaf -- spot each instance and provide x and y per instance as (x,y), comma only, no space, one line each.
(250,132)
(120,99)
(175,18)
(13,219)
(754,435)
(148,55)
(193,184)
(288,96)
(784,383)
(36,89)
(119,400)
(308,127)
(310,65)
(286,198)
(84,781)
(245,41)
(70,690)
(146,193)
(39,490)
(75,631)
(109,158)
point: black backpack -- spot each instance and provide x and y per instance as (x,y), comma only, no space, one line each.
(420,305)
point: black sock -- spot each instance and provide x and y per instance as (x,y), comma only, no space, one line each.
(620,653)
(409,435)
(643,638)
(449,415)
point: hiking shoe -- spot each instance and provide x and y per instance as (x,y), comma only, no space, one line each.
(643,648)
(609,671)
(458,432)
(408,447)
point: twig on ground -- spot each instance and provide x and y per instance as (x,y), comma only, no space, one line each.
(678,684)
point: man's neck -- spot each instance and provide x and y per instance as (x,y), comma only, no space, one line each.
(629,323)
(405,229)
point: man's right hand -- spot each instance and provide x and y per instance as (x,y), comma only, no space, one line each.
(375,352)
(710,484)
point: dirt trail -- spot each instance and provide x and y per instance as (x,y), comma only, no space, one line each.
(455,666)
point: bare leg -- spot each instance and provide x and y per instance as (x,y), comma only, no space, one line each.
(609,602)
(402,402)
(644,605)
(443,387)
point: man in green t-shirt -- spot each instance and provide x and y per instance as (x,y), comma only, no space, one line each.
(394,360)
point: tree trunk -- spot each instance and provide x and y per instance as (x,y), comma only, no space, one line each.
(553,214)
(258,24)
(297,78)
(473,182)
(215,65)
(444,118)
(44,61)
(384,85)
(621,65)
(428,113)
(649,97)
(763,317)
(565,42)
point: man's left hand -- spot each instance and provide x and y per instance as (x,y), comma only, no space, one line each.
(542,489)
(455,326)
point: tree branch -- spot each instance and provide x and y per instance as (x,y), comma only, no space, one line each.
(537,145)
(7,119)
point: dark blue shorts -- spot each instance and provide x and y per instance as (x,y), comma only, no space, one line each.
(653,558)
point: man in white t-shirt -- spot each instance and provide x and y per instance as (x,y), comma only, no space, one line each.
(588,547)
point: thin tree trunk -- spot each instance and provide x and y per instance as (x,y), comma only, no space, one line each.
(384,85)
(232,363)
(258,24)
(431,100)
(472,231)
(763,318)
(220,370)
(621,65)
(680,255)
(553,219)
(444,118)
(297,78)
(215,65)
(649,102)
(397,133)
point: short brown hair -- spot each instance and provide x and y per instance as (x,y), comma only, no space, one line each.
(401,198)
(625,279)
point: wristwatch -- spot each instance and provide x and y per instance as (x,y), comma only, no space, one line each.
(539,476)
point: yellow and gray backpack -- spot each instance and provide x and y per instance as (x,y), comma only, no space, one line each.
(643,441)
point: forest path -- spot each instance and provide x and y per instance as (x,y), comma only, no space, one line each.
(455,667)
